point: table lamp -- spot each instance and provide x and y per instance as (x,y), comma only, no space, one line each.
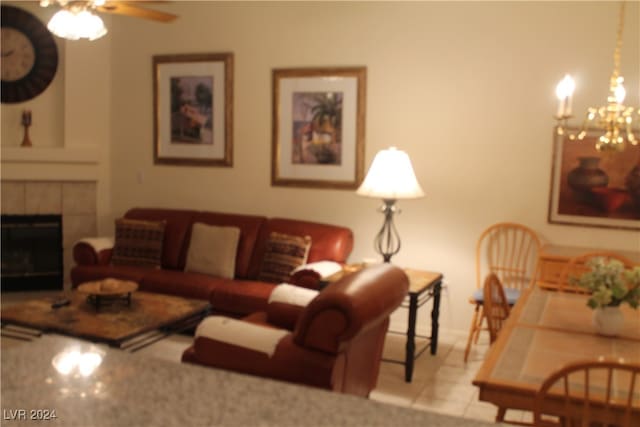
(390,177)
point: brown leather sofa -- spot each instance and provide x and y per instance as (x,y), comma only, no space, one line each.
(238,296)
(336,342)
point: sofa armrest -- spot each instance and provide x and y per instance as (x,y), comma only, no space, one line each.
(237,333)
(291,294)
(289,362)
(286,302)
(93,251)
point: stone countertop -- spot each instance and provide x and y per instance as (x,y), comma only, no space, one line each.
(136,390)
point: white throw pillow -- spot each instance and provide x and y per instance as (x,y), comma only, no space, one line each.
(213,250)
(323,268)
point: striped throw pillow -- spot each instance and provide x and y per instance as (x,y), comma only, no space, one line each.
(138,243)
(283,254)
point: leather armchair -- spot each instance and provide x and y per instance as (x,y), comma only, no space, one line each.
(336,342)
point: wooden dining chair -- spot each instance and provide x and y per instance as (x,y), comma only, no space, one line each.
(586,393)
(496,307)
(510,251)
(577,265)
(496,310)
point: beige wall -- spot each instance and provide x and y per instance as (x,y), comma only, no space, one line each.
(466,88)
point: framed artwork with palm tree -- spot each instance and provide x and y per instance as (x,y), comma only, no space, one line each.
(318,127)
(193,109)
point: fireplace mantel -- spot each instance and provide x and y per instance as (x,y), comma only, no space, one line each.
(88,154)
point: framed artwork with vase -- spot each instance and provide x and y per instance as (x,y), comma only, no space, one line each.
(193,109)
(318,127)
(594,188)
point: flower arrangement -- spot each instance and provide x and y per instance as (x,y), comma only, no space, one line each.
(609,283)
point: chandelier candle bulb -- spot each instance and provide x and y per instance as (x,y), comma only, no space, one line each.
(564,92)
(620,92)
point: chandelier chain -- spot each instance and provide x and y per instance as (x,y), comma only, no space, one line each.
(616,52)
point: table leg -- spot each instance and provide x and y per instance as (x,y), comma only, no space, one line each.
(411,338)
(435,315)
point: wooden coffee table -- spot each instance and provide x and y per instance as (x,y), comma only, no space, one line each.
(148,318)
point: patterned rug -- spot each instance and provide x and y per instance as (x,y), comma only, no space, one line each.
(114,322)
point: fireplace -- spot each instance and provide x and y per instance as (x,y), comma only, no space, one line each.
(31,253)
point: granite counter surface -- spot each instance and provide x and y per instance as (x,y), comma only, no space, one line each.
(136,390)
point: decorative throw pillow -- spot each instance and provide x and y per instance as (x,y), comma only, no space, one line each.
(283,253)
(138,243)
(213,250)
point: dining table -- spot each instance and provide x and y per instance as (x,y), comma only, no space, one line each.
(545,331)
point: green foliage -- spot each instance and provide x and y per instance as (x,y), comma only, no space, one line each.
(609,283)
(328,108)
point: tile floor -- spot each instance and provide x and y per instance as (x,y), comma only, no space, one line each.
(441,383)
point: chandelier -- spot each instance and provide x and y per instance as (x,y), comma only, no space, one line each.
(614,120)
(76,19)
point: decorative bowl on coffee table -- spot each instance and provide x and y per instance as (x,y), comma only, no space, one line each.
(108,291)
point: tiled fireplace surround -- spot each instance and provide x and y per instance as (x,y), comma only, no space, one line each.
(74,200)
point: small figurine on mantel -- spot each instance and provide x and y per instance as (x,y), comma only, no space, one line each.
(26,122)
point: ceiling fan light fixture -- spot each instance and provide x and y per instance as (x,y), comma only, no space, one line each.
(76,25)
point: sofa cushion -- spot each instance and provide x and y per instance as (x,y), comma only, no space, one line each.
(138,243)
(180,283)
(178,221)
(329,242)
(212,250)
(249,226)
(88,273)
(240,296)
(283,254)
(262,339)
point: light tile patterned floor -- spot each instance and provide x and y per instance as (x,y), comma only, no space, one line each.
(441,383)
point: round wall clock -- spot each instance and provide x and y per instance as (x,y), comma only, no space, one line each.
(29,55)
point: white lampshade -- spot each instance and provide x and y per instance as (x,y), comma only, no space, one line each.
(391,177)
(74,25)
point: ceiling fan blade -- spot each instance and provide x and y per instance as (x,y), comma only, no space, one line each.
(139,12)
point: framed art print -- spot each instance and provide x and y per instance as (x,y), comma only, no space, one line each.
(318,127)
(594,188)
(193,109)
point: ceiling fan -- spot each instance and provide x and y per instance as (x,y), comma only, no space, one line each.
(120,7)
(76,18)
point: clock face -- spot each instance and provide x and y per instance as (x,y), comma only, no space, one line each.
(18,54)
(29,55)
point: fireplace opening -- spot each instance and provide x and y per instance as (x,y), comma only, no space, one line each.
(31,253)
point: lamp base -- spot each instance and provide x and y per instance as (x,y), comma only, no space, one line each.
(387,241)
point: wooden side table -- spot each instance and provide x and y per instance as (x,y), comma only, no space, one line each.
(423,286)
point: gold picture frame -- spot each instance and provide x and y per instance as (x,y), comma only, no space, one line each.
(592,188)
(318,127)
(193,109)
